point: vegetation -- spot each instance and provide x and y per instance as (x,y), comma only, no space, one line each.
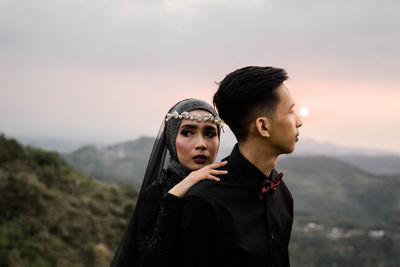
(344,206)
(315,249)
(52,215)
(337,194)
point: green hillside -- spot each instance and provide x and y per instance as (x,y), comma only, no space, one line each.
(343,216)
(344,193)
(51,215)
(338,194)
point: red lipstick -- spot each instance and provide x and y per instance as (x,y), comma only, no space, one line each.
(200,159)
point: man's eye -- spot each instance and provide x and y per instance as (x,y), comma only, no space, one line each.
(186,133)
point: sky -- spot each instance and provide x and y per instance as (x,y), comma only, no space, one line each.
(108,71)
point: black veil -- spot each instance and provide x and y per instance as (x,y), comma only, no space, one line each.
(163,145)
(157,159)
(153,170)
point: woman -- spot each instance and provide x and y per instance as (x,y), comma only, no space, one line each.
(190,133)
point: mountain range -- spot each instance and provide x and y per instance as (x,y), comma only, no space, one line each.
(372,160)
(125,163)
(352,188)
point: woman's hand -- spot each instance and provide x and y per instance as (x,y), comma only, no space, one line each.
(207,172)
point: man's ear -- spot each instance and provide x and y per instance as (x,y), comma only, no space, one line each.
(263,126)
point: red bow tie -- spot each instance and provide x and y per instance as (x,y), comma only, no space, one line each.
(271,186)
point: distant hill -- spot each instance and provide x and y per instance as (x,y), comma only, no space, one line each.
(123,163)
(341,189)
(373,161)
(51,215)
(389,165)
(54,144)
(344,216)
(332,192)
(310,147)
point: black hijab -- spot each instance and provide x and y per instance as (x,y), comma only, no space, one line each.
(165,142)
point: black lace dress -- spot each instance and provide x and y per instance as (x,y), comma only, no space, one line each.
(153,240)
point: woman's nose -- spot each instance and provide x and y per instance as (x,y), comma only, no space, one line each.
(201,144)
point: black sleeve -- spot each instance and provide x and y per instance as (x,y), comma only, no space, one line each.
(197,234)
(157,235)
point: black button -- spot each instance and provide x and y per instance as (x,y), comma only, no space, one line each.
(272,236)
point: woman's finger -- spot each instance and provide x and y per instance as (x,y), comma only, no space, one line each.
(212,177)
(207,177)
(218,172)
(218,164)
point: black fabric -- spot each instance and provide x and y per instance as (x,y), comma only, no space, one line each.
(158,220)
(165,142)
(226,224)
(153,233)
(156,161)
(150,238)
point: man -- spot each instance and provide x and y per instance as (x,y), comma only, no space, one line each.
(246,218)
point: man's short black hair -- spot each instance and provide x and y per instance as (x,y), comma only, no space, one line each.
(246,93)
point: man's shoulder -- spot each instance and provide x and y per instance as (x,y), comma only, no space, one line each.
(213,191)
(204,189)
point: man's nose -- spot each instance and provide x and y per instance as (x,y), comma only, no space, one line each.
(299,123)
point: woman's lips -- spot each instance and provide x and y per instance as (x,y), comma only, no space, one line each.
(200,159)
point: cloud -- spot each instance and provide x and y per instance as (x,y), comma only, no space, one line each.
(135,52)
(176,34)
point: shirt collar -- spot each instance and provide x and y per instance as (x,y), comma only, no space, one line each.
(247,172)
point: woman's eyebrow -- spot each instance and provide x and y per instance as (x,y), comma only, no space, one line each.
(191,126)
(210,128)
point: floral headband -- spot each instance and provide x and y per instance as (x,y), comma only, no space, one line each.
(196,117)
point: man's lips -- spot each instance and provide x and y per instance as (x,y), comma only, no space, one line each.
(200,159)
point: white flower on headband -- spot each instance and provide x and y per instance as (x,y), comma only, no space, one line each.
(195,117)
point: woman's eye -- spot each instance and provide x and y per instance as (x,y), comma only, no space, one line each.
(186,133)
(210,134)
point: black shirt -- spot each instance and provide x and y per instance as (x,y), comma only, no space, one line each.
(226,224)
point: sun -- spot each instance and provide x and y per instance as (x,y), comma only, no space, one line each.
(304,112)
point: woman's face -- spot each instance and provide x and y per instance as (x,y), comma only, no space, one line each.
(197,142)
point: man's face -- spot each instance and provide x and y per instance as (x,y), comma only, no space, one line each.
(284,126)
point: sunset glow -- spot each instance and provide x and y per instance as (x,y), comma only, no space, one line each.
(76,84)
(304,112)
